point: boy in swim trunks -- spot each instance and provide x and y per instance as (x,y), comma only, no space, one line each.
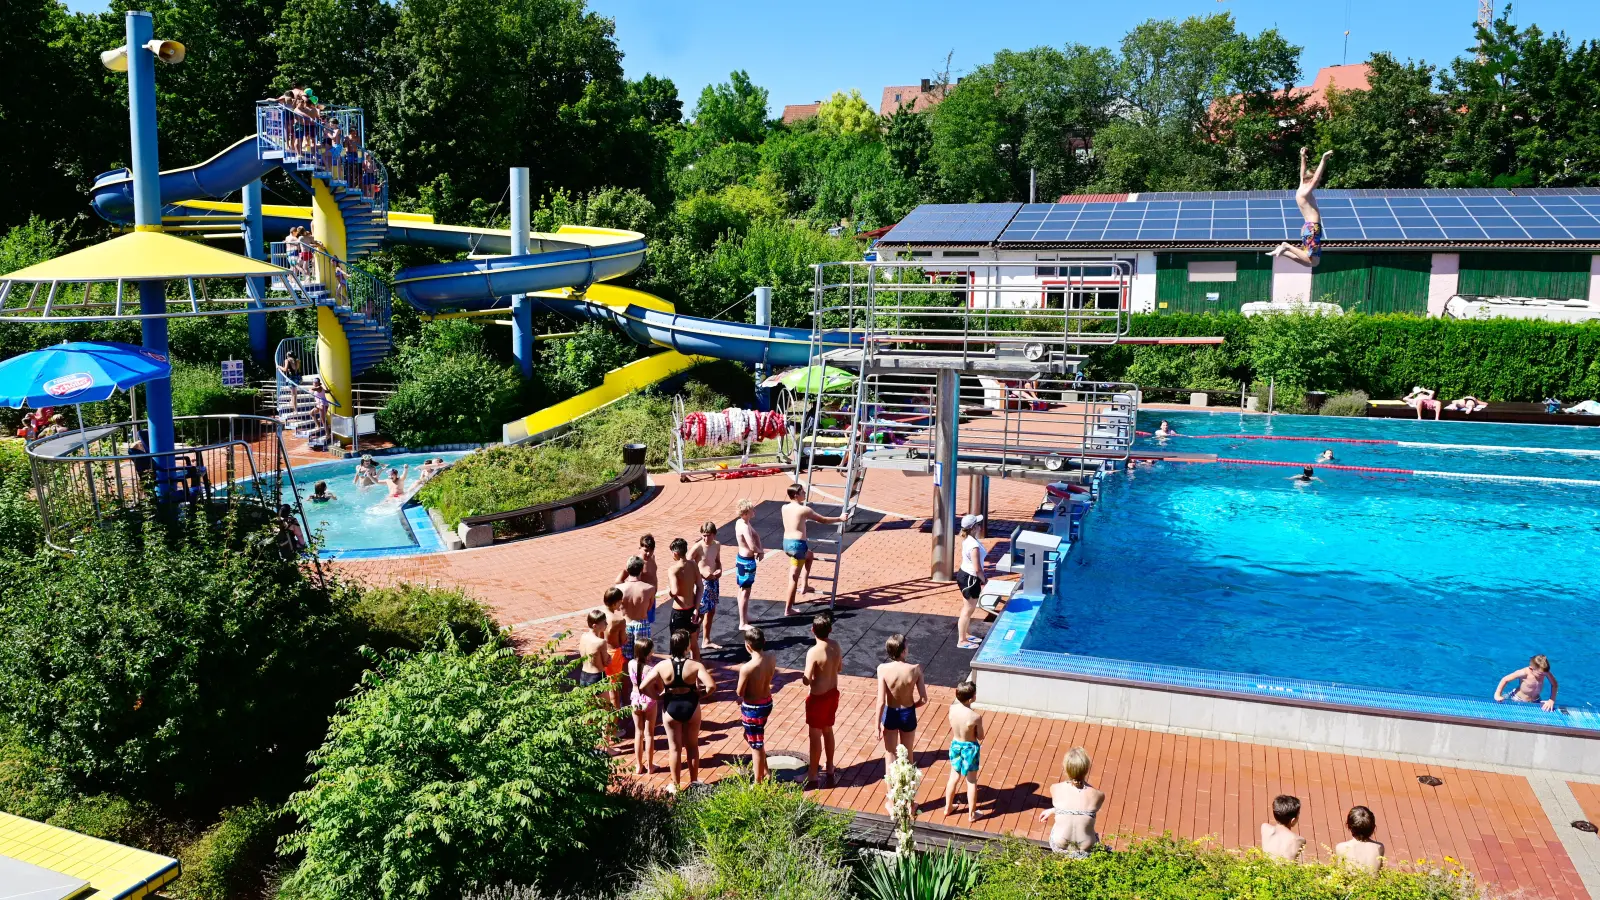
(638,602)
(1530,684)
(593,650)
(746,557)
(823,661)
(1278,837)
(706,554)
(796,514)
(755,697)
(685,584)
(1309,251)
(616,636)
(901,691)
(966,733)
(647,553)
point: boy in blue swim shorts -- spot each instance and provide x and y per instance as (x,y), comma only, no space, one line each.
(747,556)
(707,555)
(966,732)
(796,515)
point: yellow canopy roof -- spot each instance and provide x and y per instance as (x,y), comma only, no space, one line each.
(144,256)
(114,871)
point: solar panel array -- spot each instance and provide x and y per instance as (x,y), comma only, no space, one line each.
(1346,216)
(953,223)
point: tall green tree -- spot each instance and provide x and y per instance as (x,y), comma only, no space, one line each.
(1389,136)
(735,110)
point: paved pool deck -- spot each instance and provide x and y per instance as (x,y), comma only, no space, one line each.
(1509,827)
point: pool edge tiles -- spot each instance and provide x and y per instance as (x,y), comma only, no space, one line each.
(1233,706)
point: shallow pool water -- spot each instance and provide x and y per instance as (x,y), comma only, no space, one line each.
(359,518)
(1432,585)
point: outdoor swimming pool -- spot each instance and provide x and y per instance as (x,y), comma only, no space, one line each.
(1436,585)
(359,519)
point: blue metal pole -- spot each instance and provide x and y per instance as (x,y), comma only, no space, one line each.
(147,217)
(521,305)
(255,247)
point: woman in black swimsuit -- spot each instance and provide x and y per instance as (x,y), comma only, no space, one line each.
(685,683)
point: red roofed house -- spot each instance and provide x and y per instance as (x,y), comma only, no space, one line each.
(920,96)
(799,112)
(1345,78)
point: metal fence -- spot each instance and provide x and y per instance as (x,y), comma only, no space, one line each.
(319,142)
(105,472)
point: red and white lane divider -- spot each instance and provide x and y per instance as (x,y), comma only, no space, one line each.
(1414,473)
(1414,445)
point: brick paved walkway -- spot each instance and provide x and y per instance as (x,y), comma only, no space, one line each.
(1492,822)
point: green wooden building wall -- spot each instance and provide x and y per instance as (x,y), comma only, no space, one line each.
(1374,282)
(1175,293)
(1553,276)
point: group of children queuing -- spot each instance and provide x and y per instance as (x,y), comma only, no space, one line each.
(310,130)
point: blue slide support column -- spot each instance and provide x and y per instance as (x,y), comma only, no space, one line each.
(763,320)
(255,247)
(147,217)
(521,304)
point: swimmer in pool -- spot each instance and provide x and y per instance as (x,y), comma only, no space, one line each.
(1530,684)
(1325,457)
(1165,430)
(319,494)
(366,472)
(1306,476)
(397,480)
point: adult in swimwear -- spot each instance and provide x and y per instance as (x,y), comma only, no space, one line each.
(796,514)
(681,683)
(1467,405)
(901,691)
(1309,251)
(1075,803)
(1421,399)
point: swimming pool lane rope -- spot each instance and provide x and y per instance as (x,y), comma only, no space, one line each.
(1414,445)
(1414,473)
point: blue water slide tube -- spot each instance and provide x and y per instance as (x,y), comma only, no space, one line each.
(477,284)
(217,177)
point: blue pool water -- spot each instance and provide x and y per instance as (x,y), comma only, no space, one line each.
(1435,585)
(358,518)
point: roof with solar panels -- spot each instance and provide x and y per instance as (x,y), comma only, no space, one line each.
(1474,218)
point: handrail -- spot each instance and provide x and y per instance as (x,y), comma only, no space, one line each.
(333,144)
(349,284)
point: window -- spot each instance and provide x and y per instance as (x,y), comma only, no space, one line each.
(1045,271)
(1222,270)
(921,254)
(896,99)
(960,254)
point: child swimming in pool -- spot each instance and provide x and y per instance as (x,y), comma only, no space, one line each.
(397,480)
(1530,684)
(1325,456)
(319,493)
(366,472)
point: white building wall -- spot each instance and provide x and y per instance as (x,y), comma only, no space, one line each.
(1144,284)
(1594,281)
(1445,278)
(1291,282)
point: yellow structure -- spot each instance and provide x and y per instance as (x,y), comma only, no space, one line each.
(333,345)
(114,872)
(144,256)
(619,383)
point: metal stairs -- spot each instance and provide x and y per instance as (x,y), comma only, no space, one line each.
(370,339)
(297,417)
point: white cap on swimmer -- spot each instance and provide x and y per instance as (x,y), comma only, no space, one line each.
(970,521)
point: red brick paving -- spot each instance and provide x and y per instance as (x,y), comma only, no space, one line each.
(1589,799)
(1492,823)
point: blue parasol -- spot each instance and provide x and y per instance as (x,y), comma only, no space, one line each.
(77,372)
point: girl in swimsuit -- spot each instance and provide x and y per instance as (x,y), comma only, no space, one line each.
(1309,251)
(685,682)
(644,707)
(1530,684)
(1074,803)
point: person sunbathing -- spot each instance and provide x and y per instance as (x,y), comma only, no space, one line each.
(1421,399)
(1467,405)
(1586,408)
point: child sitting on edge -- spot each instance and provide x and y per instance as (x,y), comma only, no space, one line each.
(1530,681)
(966,733)
(1361,852)
(1278,838)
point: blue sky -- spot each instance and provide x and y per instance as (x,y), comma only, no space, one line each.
(803,51)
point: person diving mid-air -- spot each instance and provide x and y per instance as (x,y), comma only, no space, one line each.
(1309,251)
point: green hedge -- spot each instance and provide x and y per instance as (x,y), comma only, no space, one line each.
(1384,355)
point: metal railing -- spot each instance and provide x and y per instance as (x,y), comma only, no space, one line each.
(68,300)
(975,309)
(349,284)
(104,472)
(333,144)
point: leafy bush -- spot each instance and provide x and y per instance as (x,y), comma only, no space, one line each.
(233,858)
(186,665)
(1174,367)
(412,615)
(948,874)
(1169,868)
(501,479)
(749,840)
(197,391)
(1349,403)
(462,398)
(20,527)
(578,363)
(449,771)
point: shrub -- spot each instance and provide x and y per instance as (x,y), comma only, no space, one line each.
(1349,403)
(450,771)
(501,479)
(183,665)
(413,615)
(1169,868)
(462,398)
(948,874)
(197,391)
(578,363)
(754,840)
(233,858)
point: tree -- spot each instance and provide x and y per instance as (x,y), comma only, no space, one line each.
(190,666)
(845,113)
(735,110)
(1389,136)
(656,99)
(450,771)
(337,48)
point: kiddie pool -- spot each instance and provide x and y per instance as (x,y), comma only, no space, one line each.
(366,522)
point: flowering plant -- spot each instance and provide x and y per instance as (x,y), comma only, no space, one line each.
(901,797)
